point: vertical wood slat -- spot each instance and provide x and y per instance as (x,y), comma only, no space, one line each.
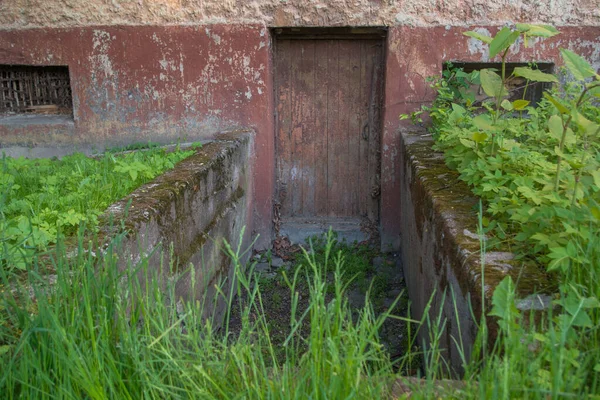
(322,85)
(363,174)
(327,128)
(283,122)
(307,96)
(296,120)
(341,137)
(333,106)
(354,130)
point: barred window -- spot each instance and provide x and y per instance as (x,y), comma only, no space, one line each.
(518,88)
(31,89)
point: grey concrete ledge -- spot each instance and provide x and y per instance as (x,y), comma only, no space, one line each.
(441,248)
(177,224)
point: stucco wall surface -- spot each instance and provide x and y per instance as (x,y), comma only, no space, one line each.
(68,13)
(142,83)
(182,219)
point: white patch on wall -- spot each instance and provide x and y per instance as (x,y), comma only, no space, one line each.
(476,46)
(100,59)
(594,58)
(216,38)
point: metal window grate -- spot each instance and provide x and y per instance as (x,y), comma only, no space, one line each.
(25,89)
(518,88)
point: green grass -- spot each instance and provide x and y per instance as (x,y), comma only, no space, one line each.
(42,199)
(107,337)
(357,257)
(98,334)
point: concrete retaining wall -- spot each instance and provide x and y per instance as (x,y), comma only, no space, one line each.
(182,218)
(441,251)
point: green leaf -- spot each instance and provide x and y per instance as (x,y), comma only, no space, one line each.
(582,319)
(502,41)
(4,349)
(595,90)
(467,143)
(534,75)
(507,105)
(577,65)
(478,36)
(560,258)
(590,302)
(555,126)
(458,109)
(538,30)
(492,84)
(520,105)
(457,114)
(596,177)
(530,194)
(479,137)
(562,109)
(503,305)
(484,122)
(588,126)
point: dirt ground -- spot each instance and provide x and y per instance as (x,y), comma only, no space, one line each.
(368,269)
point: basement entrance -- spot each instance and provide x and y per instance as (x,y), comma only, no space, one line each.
(328,92)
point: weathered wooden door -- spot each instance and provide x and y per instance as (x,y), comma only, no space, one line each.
(328,94)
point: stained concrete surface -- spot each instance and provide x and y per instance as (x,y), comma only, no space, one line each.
(298,230)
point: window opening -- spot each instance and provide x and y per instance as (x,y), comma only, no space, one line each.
(517,87)
(32,89)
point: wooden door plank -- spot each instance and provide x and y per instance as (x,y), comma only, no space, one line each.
(307,96)
(283,142)
(322,85)
(342,136)
(363,161)
(354,129)
(333,104)
(297,132)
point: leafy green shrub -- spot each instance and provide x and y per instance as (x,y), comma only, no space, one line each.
(537,169)
(42,199)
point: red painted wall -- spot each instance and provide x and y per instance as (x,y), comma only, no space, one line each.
(152,82)
(413,54)
(139,83)
(169,82)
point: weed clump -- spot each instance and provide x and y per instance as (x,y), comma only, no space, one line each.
(45,199)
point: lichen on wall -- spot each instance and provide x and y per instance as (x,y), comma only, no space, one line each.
(63,13)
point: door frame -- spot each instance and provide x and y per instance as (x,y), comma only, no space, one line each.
(326,33)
